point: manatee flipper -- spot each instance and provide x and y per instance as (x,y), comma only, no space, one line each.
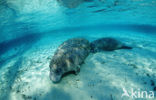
(77,70)
(126,47)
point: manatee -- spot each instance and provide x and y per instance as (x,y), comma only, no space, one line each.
(68,57)
(107,44)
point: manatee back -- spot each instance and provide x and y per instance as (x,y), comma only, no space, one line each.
(75,43)
(71,53)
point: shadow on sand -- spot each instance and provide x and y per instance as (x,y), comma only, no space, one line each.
(11,75)
(26,42)
(26,39)
(56,94)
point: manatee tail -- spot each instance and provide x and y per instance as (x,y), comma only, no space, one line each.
(126,47)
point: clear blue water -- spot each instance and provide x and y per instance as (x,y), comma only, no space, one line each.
(31,30)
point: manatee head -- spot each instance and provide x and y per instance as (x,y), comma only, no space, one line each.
(55,74)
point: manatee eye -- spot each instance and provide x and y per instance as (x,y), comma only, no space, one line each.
(58,71)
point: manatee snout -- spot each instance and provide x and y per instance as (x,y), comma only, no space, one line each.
(55,75)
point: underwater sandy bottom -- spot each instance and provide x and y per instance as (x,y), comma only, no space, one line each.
(25,74)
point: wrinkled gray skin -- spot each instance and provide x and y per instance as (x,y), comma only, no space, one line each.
(68,57)
(107,44)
